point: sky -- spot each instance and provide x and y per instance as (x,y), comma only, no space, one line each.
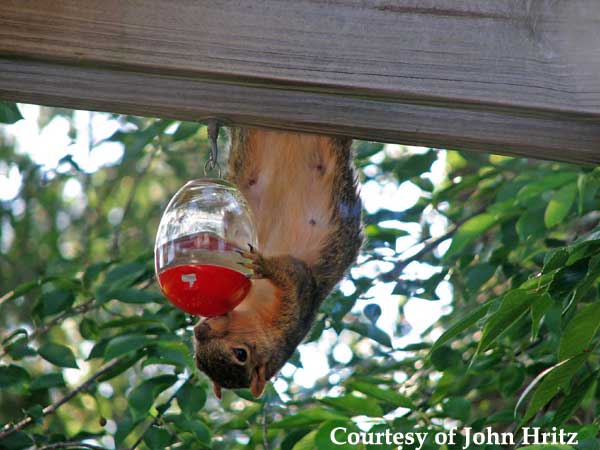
(48,145)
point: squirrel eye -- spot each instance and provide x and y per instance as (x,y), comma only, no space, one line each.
(240,354)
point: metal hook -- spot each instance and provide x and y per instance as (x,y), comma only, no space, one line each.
(213,158)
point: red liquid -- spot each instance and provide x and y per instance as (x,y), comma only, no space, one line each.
(204,290)
(200,274)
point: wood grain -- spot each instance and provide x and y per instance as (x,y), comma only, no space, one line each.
(508,76)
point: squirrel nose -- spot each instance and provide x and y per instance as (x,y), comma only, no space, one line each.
(218,324)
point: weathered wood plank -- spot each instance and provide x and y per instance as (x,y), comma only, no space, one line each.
(376,119)
(511,76)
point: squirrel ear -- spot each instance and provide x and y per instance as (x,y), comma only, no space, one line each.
(258,381)
(217,390)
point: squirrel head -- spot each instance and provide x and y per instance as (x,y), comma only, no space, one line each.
(235,352)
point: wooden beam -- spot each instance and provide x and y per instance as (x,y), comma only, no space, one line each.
(508,76)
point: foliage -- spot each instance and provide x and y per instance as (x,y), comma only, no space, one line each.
(91,352)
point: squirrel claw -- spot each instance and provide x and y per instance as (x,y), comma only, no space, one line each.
(247,254)
(255,263)
(248,266)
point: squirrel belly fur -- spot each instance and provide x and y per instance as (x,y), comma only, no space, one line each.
(303,193)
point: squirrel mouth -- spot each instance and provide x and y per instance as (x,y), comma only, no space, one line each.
(213,318)
(211,327)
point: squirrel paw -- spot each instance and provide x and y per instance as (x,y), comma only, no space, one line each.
(256,264)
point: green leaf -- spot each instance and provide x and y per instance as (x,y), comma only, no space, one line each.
(372,332)
(13,334)
(466,322)
(20,290)
(568,278)
(510,379)
(88,329)
(572,401)
(124,363)
(353,405)
(530,225)
(307,417)
(191,399)
(124,428)
(119,277)
(323,439)
(560,205)
(126,343)
(175,353)
(445,357)
(551,381)
(424,183)
(364,150)
(36,412)
(588,432)
(538,309)
(580,331)
(9,112)
(93,271)
(587,187)
(98,349)
(415,347)
(20,349)
(513,306)
(12,375)
(458,408)
(555,260)
(376,233)
(292,437)
(384,395)
(142,397)
(47,381)
(157,438)
(54,302)
(17,441)
(547,447)
(414,165)
(136,140)
(478,275)
(470,231)
(185,130)
(592,274)
(314,334)
(195,426)
(136,296)
(58,355)
(545,184)
(139,323)
(307,442)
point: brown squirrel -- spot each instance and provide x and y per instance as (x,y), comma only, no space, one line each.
(302,190)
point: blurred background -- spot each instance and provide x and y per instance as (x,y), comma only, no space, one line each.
(495,258)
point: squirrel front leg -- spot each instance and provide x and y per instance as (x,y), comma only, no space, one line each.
(288,273)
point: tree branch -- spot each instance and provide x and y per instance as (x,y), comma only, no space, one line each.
(429,246)
(57,445)
(79,309)
(10,429)
(138,178)
(265,427)
(161,411)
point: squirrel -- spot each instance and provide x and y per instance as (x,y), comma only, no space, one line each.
(303,193)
